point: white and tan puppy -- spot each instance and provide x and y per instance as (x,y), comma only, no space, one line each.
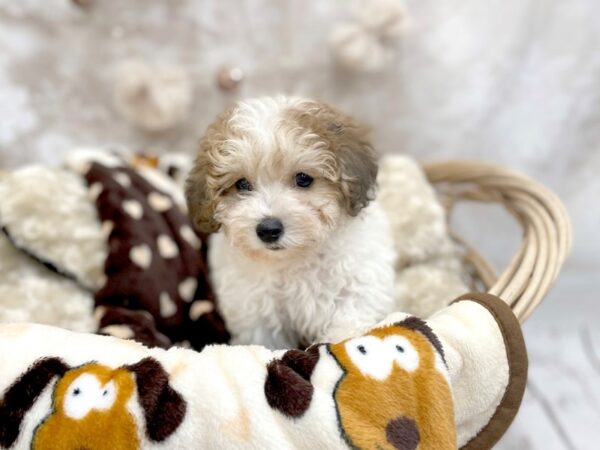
(302,253)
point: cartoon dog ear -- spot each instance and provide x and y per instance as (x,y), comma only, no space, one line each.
(164,408)
(416,324)
(288,388)
(22,394)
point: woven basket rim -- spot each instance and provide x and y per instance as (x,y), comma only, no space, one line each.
(546,238)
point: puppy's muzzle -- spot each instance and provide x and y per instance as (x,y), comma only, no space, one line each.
(269,230)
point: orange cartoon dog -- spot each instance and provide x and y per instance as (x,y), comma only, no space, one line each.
(90,406)
(394,393)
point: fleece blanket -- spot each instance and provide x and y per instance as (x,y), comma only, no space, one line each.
(454,381)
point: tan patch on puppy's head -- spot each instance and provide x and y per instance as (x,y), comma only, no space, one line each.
(349,142)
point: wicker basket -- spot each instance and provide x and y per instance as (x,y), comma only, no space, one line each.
(543,218)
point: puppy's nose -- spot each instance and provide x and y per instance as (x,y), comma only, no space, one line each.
(269,230)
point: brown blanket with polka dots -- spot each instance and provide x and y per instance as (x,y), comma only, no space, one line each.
(156,290)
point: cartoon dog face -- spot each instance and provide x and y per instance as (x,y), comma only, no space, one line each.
(92,388)
(394,393)
(90,405)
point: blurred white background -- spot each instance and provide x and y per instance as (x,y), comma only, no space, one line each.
(510,81)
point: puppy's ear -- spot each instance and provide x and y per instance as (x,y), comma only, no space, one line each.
(200,200)
(357,162)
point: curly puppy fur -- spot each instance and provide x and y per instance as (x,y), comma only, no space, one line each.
(330,274)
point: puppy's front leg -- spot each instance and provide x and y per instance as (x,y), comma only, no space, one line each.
(261,336)
(356,315)
(341,332)
(343,327)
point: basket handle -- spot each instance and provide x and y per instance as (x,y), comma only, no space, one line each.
(542,216)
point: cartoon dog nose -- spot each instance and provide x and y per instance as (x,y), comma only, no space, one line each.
(269,230)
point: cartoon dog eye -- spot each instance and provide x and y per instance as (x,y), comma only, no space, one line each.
(86,393)
(107,396)
(404,353)
(370,356)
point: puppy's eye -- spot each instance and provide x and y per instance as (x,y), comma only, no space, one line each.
(303,180)
(243,185)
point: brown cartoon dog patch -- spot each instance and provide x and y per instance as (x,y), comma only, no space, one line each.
(89,405)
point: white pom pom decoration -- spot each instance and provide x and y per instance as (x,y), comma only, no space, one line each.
(153,98)
(366,45)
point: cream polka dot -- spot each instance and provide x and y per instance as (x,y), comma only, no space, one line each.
(123,179)
(159,202)
(141,255)
(200,307)
(81,167)
(190,237)
(187,288)
(133,208)
(118,331)
(95,190)
(167,248)
(99,313)
(106,228)
(168,308)
(102,280)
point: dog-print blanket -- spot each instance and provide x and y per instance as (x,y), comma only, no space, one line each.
(454,381)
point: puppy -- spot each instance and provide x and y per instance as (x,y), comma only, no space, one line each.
(301,253)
